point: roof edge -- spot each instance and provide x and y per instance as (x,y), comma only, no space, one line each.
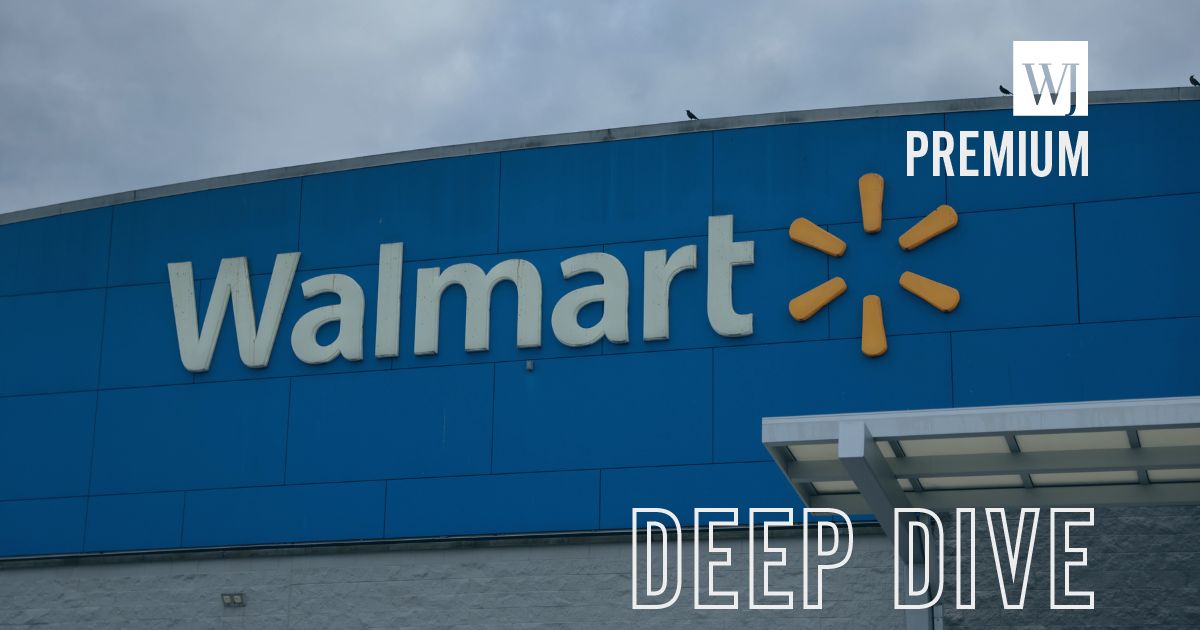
(1146,95)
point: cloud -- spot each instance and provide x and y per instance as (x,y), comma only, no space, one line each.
(98,98)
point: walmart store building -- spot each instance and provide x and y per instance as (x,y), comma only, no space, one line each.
(494,487)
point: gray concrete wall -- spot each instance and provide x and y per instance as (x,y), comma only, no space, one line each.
(1144,569)
(580,582)
(1143,564)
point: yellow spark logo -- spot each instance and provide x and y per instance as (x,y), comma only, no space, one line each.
(870,194)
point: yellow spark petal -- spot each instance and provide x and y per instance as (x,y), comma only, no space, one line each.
(934,223)
(870,198)
(874,337)
(804,306)
(808,233)
(942,297)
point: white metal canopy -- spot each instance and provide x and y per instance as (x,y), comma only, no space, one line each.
(1090,454)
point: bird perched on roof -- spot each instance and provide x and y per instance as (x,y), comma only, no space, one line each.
(1004,90)
(695,117)
(1194,81)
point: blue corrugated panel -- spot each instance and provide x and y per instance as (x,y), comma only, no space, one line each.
(438,208)
(768,176)
(1143,359)
(45,445)
(58,253)
(402,423)
(1134,150)
(1011,268)
(494,504)
(52,342)
(607,192)
(140,346)
(190,436)
(134,521)
(47,526)
(821,377)
(284,514)
(1139,258)
(588,433)
(255,220)
(616,410)
(681,489)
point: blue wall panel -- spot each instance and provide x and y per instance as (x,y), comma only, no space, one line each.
(1088,362)
(379,425)
(49,526)
(190,437)
(605,192)
(1011,268)
(781,270)
(284,514)
(820,377)
(99,422)
(59,253)
(134,521)
(768,176)
(52,342)
(438,208)
(1135,150)
(140,343)
(494,504)
(255,220)
(682,489)
(45,445)
(1139,258)
(616,410)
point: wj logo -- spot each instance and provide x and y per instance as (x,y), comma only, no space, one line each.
(1050,78)
(874,336)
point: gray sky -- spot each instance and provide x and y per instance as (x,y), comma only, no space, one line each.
(102,97)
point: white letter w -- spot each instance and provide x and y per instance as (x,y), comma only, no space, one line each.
(233,281)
